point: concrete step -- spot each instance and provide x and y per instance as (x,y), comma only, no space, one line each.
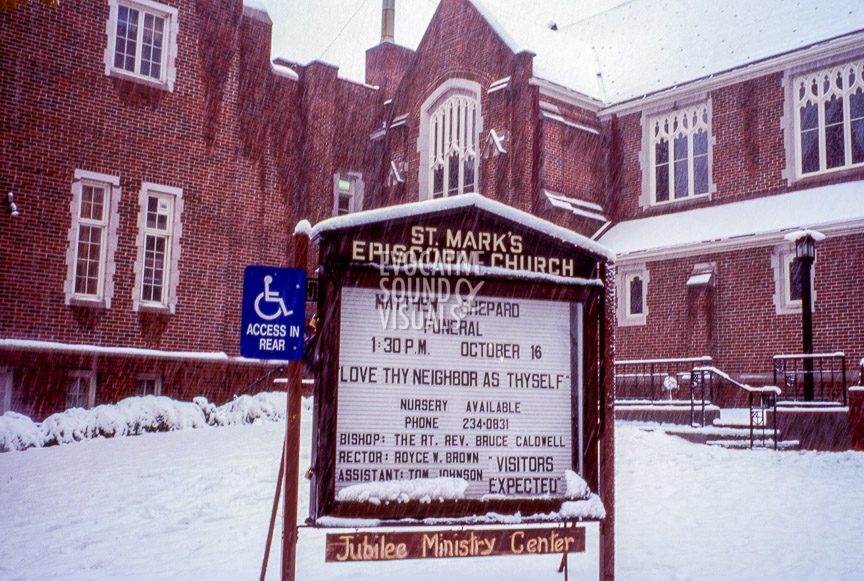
(728,437)
(738,444)
(737,426)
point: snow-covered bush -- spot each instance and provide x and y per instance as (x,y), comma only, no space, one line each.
(246,409)
(18,432)
(136,415)
(129,417)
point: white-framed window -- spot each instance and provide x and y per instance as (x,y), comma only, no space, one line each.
(92,239)
(828,119)
(632,282)
(148,385)
(142,42)
(347,193)
(678,148)
(7,382)
(450,126)
(81,389)
(788,287)
(159,230)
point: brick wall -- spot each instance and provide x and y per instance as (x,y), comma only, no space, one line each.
(460,44)
(742,330)
(229,135)
(69,115)
(749,155)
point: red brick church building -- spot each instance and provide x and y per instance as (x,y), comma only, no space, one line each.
(151,150)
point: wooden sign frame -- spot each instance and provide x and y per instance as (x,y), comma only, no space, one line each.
(338,271)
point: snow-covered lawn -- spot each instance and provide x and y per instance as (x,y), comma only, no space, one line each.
(690,511)
(195,504)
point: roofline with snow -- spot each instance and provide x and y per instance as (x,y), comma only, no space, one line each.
(772,64)
(256,11)
(565,95)
(134,352)
(755,240)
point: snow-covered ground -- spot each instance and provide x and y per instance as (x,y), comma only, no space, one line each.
(195,504)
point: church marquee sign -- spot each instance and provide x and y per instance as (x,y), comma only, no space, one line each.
(461,374)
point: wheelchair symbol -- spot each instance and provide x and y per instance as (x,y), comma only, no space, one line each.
(271,297)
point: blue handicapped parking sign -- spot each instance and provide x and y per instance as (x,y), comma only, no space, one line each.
(274,303)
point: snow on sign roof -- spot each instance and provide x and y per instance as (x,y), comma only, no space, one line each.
(454,203)
(822,207)
(619,51)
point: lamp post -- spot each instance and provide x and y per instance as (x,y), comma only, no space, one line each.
(805,252)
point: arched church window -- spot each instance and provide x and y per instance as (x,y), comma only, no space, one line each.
(451,126)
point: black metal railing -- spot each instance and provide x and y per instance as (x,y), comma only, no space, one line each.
(655,379)
(819,377)
(762,402)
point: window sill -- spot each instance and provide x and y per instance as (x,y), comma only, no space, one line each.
(132,77)
(689,200)
(794,309)
(830,176)
(87,303)
(154,309)
(633,321)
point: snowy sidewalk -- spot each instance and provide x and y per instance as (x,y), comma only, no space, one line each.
(194,505)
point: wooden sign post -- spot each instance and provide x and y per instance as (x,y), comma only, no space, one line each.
(466,370)
(292,438)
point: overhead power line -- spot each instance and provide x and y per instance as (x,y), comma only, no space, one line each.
(344,26)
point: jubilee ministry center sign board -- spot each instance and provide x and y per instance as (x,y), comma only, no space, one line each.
(433,387)
(463,373)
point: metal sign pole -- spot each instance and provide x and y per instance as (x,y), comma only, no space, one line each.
(292,439)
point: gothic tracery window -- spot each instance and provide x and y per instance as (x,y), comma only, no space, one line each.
(679,151)
(452,148)
(829,118)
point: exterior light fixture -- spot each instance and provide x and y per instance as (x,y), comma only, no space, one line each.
(805,247)
(805,253)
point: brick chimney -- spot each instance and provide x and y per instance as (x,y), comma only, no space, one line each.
(388,22)
(387,62)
